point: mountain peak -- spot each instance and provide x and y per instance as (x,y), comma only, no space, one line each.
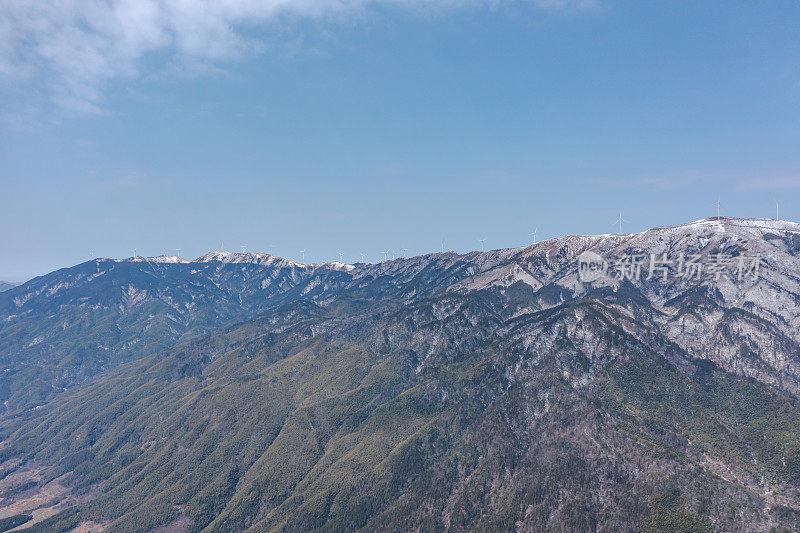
(158,259)
(336,265)
(258,258)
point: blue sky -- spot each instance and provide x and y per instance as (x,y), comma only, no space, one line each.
(363,126)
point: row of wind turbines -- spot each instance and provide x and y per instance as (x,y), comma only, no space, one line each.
(621,220)
(404,251)
(533,234)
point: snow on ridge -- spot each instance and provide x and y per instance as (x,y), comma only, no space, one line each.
(258,258)
(733,222)
(155,259)
(720,224)
(335,265)
(748,228)
(269,260)
(166,259)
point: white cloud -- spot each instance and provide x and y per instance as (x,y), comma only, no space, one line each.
(77,47)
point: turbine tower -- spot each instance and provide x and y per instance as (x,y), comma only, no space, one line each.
(341,257)
(777,211)
(619,221)
(385,255)
(482,241)
(363,257)
(442,244)
(719,203)
(303,254)
(533,234)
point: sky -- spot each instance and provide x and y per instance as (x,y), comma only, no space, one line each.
(360,126)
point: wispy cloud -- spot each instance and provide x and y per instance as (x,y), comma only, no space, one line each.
(78,47)
(127,180)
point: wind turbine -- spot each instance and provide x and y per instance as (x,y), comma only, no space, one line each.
(394,255)
(619,221)
(385,255)
(341,257)
(777,211)
(719,203)
(403,251)
(482,241)
(303,254)
(179,252)
(244,248)
(533,234)
(442,244)
(363,257)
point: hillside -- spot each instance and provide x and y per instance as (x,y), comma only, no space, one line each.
(486,391)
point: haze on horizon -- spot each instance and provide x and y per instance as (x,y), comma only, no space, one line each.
(364,126)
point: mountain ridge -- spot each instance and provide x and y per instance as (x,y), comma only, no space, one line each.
(494,390)
(174,300)
(6,285)
(263,257)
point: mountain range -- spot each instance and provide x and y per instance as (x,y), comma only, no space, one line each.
(641,382)
(5,285)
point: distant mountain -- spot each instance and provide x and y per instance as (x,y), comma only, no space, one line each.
(5,285)
(617,382)
(62,328)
